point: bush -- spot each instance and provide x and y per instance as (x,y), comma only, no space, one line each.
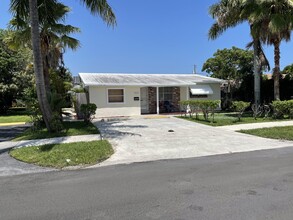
(282,108)
(207,107)
(37,122)
(184,107)
(190,106)
(88,110)
(239,107)
(55,123)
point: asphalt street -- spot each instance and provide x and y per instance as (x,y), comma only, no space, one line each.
(254,185)
(10,166)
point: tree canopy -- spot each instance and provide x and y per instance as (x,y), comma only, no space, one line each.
(230,64)
(32,9)
(288,72)
(15,72)
(270,23)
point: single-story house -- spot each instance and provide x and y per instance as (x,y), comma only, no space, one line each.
(136,94)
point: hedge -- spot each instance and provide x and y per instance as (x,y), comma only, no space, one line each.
(88,110)
(239,107)
(205,106)
(282,108)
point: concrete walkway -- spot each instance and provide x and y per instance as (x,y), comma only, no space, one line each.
(141,139)
(257,125)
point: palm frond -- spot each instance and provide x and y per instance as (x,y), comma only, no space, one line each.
(18,39)
(101,8)
(265,64)
(227,14)
(69,42)
(64,29)
(50,11)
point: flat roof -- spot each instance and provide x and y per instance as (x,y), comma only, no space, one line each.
(126,79)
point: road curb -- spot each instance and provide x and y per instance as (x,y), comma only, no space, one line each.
(13,123)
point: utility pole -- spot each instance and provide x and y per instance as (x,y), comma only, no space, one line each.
(194,69)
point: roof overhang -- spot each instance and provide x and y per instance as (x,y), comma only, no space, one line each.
(140,85)
(146,80)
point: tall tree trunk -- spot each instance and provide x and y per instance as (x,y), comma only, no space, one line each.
(46,77)
(276,73)
(38,64)
(256,70)
(45,47)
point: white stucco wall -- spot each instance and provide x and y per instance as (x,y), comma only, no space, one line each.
(99,96)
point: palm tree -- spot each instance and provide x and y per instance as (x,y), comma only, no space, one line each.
(52,36)
(230,13)
(270,22)
(30,9)
(274,21)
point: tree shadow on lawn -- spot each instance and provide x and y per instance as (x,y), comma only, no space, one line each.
(234,115)
(216,122)
(47,147)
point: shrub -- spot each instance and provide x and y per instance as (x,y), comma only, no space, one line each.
(88,110)
(78,90)
(55,123)
(195,107)
(239,107)
(282,108)
(205,106)
(37,122)
(184,106)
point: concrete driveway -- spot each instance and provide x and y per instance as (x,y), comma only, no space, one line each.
(155,138)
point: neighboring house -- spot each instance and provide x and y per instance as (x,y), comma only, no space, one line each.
(76,82)
(136,94)
(270,76)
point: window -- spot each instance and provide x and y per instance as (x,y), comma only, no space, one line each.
(197,96)
(115,95)
(165,93)
(200,91)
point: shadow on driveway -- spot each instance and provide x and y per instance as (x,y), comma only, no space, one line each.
(9,132)
(116,129)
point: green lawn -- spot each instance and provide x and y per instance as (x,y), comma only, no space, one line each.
(222,119)
(63,155)
(70,129)
(284,133)
(14,118)
(14,115)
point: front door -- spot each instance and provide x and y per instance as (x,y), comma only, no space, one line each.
(144,100)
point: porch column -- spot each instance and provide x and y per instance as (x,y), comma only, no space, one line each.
(187,93)
(158,104)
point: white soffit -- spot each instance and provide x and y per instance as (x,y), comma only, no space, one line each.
(201,90)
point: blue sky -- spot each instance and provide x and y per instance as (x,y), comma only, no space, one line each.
(154,36)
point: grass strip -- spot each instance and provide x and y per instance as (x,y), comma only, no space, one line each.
(283,133)
(14,118)
(63,155)
(222,119)
(70,129)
